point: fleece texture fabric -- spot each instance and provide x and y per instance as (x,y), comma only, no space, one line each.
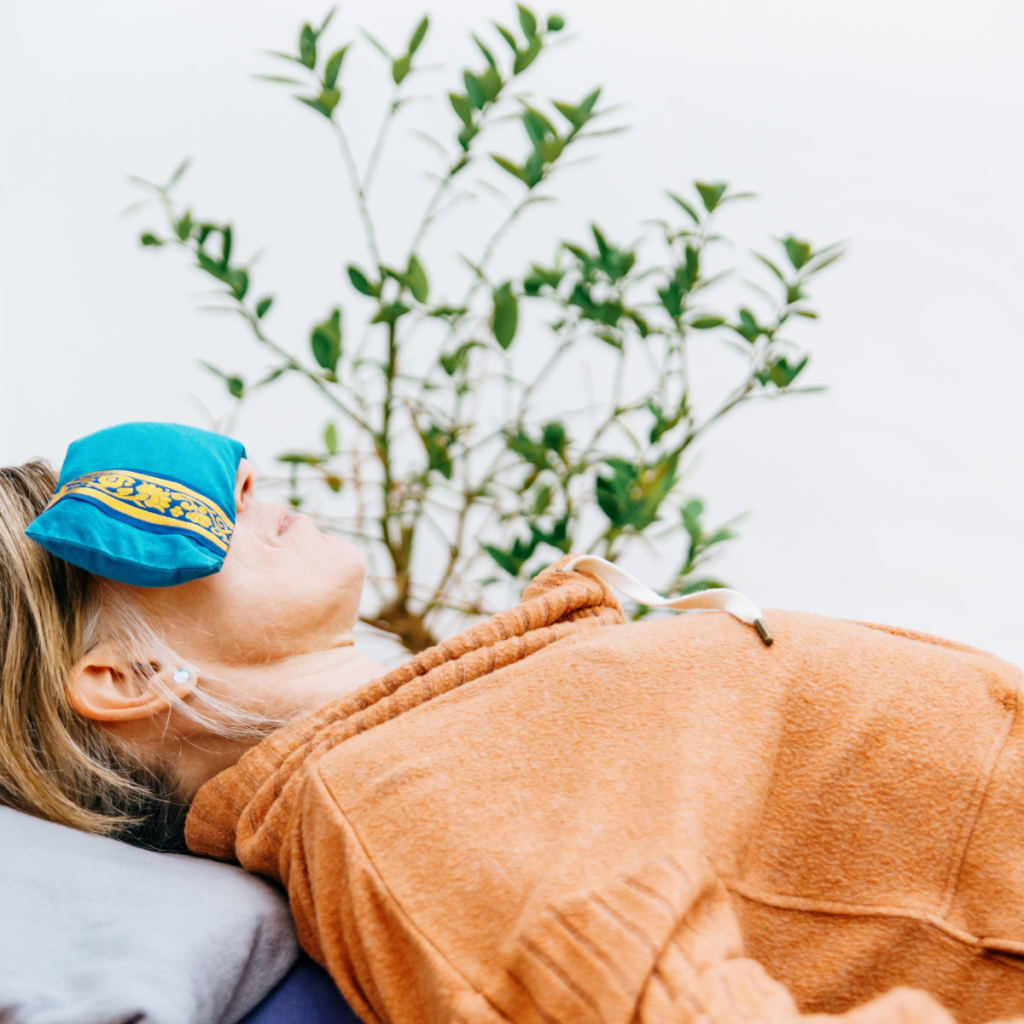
(557,818)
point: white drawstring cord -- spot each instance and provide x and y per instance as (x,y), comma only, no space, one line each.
(718,599)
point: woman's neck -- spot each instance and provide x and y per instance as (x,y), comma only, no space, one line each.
(287,688)
(278,691)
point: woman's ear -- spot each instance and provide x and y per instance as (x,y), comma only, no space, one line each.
(104,687)
(245,486)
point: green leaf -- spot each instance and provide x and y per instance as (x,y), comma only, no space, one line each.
(798,252)
(488,56)
(711,194)
(210,266)
(418,36)
(377,44)
(238,281)
(539,277)
(317,104)
(279,78)
(533,452)
(691,512)
(524,58)
(326,21)
(535,128)
(528,20)
(772,267)
(334,67)
(272,376)
(450,313)
(505,319)
(390,314)
(588,102)
(491,83)
(807,313)
(578,116)
(416,279)
(512,561)
(608,312)
(569,112)
(283,56)
(824,263)
(633,494)
(329,98)
(672,299)
(437,441)
(639,322)
(307,46)
(691,270)
(331,439)
(179,171)
(685,205)
(400,68)
(452,362)
(541,500)
(558,536)
(301,459)
(235,385)
(555,437)
(534,169)
(460,104)
(556,23)
(508,37)
(325,341)
(474,90)
(148,238)
(263,306)
(780,373)
(705,323)
(748,326)
(225,249)
(362,284)
(513,169)
(719,537)
(184,226)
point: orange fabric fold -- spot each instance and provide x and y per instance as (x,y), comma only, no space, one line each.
(557,818)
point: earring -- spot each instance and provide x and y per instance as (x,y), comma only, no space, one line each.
(182,676)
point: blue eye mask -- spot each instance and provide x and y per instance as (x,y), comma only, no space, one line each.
(150,504)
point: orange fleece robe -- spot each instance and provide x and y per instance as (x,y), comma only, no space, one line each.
(558,818)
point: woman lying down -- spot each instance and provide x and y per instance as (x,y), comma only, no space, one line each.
(553,818)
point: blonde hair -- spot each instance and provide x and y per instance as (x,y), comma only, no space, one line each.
(54,763)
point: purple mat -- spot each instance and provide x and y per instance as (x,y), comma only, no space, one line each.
(305,995)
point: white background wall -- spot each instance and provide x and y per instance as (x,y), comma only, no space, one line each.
(895,497)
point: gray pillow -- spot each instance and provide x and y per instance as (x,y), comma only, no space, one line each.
(93,931)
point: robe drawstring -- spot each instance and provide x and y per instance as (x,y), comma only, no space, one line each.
(717,599)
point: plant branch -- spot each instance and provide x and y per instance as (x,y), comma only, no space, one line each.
(360,193)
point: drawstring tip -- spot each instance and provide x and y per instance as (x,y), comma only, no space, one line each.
(762,631)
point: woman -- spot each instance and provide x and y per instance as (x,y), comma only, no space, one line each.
(554,816)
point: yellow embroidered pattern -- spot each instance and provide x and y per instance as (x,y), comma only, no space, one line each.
(154,501)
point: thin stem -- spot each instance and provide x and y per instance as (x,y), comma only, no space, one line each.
(432,208)
(738,396)
(360,193)
(294,364)
(493,241)
(378,145)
